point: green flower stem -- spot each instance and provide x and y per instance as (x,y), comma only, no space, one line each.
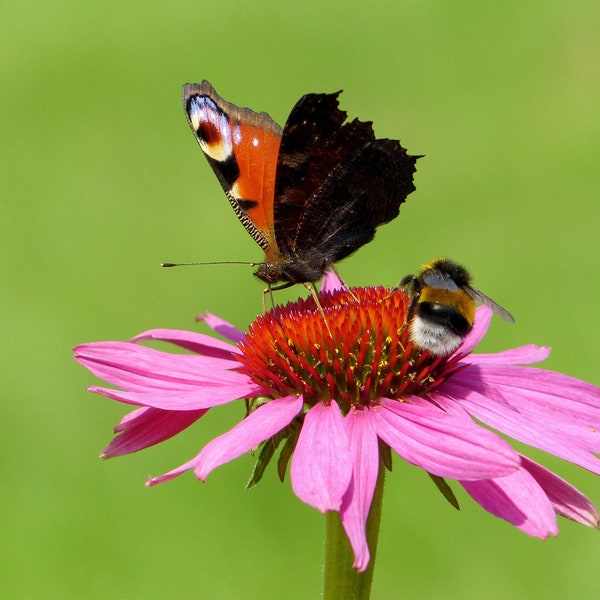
(341,580)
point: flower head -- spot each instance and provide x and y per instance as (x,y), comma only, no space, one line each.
(332,386)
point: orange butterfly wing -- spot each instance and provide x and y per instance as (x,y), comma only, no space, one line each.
(242,148)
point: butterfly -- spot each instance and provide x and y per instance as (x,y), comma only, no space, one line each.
(309,194)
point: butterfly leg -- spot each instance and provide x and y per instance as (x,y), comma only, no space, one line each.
(268,291)
(313,292)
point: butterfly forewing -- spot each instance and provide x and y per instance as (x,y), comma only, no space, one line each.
(242,148)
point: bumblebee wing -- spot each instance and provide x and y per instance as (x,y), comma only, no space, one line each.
(486,301)
(439,280)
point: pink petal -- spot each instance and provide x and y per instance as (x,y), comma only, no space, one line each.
(356,503)
(222,327)
(263,423)
(579,394)
(512,415)
(145,427)
(444,444)
(483,318)
(518,499)
(139,368)
(566,500)
(202,397)
(172,474)
(331,283)
(195,342)
(321,469)
(516,356)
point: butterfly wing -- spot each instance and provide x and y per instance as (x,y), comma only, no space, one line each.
(366,191)
(336,183)
(242,148)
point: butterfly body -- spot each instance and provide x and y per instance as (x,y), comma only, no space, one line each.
(309,194)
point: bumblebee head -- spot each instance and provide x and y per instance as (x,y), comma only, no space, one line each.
(443,273)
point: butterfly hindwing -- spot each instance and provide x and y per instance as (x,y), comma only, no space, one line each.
(335,184)
(347,213)
(314,142)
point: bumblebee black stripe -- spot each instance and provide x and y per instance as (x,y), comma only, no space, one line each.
(445,316)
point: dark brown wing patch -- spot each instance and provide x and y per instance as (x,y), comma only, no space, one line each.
(335,184)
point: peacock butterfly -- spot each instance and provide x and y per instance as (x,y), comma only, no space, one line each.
(309,194)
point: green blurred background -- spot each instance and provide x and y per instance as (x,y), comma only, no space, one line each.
(101,180)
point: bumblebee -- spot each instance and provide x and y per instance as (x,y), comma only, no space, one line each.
(442,308)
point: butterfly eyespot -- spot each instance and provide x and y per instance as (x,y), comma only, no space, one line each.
(209,133)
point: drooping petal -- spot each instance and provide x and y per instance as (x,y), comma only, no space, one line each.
(524,355)
(510,415)
(258,426)
(564,394)
(222,327)
(518,499)
(183,400)
(483,318)
(195,342)
(566,500)
(186,466)
(356,503)
(263,423)
(444,444)
(321,469)
(145,427)
(140,368)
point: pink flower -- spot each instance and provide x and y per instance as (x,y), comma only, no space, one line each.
(333,393)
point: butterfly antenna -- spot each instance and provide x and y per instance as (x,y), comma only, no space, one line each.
(218,262)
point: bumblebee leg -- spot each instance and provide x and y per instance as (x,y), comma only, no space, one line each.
(410,284)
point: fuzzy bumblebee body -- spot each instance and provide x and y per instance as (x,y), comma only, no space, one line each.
(443,306)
